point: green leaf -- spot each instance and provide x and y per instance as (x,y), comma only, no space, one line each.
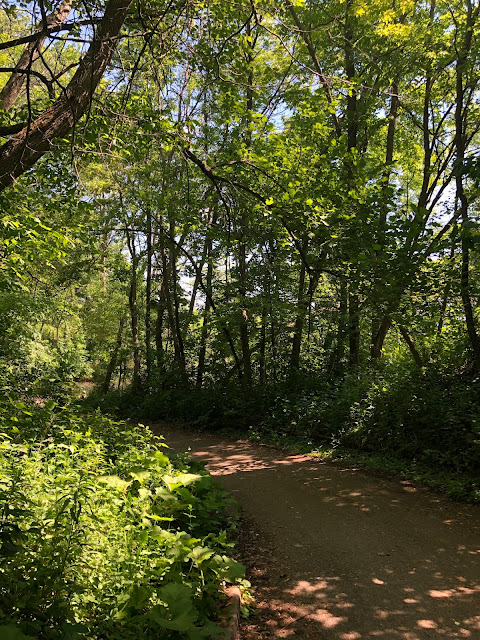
(199,554)
(113,481)
(165,494)
(229,568)
(182,614)
(182,480)
(138,596)
(140,474)
(161,459)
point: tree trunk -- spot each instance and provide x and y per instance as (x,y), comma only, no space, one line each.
(160,307)
(379,338)
(352,133)
(411,345)
(148,297)
(446,291)
(353,329)
(338,353)
(206,314)
(112,364)
(379,331)
(299,321)
(23,150)
(203,345)
(13,86)
(133,304)
(242,244)
(168,266)
(177,327)
(262,346)
(461,195)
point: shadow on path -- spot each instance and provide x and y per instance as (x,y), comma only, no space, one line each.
(341,554)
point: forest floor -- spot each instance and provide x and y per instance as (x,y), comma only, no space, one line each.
(343,554)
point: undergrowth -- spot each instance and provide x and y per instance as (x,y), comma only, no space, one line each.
(102,535)
(423,424)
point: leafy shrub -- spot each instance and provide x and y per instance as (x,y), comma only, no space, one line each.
(209,407)
(102,535)
(430,417)
(433,418)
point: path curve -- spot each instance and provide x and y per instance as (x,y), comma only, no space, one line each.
(341,554)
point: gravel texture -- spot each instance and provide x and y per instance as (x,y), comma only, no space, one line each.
(341,554)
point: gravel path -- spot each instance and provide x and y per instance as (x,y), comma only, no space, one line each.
(341,554)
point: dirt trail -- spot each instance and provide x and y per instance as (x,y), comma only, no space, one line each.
(340,554)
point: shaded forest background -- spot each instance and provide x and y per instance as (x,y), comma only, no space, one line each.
(266,217)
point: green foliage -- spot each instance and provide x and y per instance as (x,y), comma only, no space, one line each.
(264,233)
(102,534)
(394,411)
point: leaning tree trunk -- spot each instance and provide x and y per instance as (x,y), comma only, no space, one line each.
(378,339)
(13,86)
(23,150)
(411,345)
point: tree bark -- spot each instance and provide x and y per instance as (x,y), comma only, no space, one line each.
(22,151)
(177,328)
(13,86)
(206,314)
(460,190)
(446,291)
(411,345)
(262,346)
(242,244)
(112,364)
(299,321)
(168,267)
(338,353)
(133,304)
(352,134)
(160,308)
(148,297)
(353,329)
(379,332)
(379,338)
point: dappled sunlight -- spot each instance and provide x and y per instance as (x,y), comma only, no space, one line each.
(224,464)
(353,556)
(333,603)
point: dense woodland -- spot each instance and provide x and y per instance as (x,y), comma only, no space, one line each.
(265,213)
(248,215)
(260,216)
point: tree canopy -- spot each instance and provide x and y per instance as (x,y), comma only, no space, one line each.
(238,196)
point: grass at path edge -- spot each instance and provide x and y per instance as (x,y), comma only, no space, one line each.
(458,486)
